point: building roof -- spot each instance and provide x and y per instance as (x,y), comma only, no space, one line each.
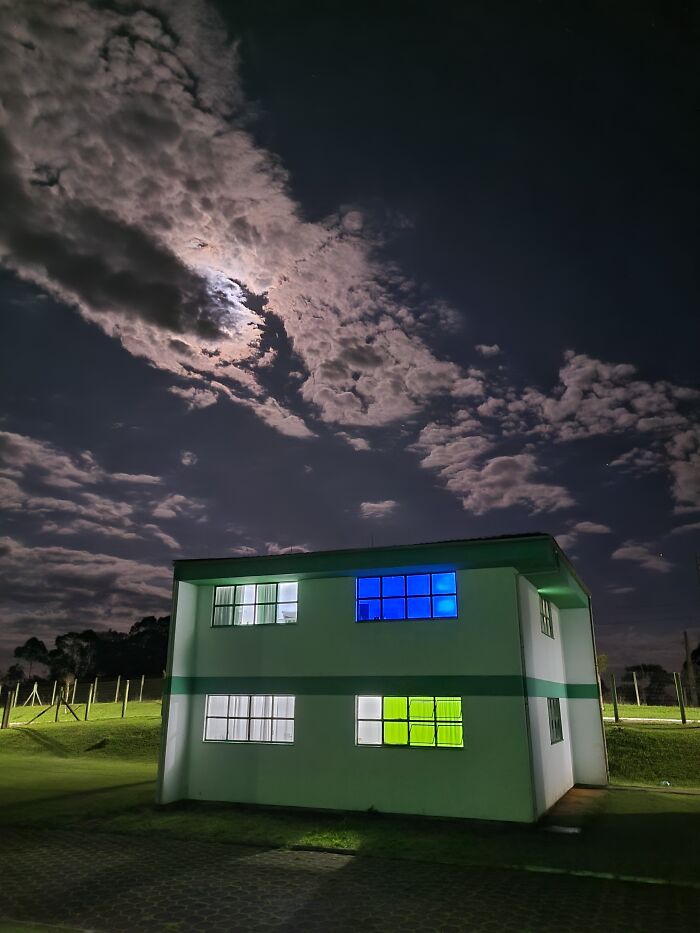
(537,556)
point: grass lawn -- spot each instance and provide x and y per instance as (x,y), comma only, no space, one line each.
(99,776)
(632,711)
(134,710)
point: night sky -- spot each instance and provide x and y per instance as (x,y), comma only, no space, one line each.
(324,275)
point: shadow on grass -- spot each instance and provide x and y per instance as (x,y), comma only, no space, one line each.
(44,741)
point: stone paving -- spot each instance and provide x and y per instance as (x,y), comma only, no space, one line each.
(116,883)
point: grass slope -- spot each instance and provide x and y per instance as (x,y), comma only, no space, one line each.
(98,711)
(632,711)
(648,753)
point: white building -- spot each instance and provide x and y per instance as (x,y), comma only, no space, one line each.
(452,679)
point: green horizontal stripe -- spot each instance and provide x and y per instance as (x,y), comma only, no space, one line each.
(485,685)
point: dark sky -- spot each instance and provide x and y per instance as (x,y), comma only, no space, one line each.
(317,275)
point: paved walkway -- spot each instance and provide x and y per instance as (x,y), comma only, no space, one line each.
(117,883)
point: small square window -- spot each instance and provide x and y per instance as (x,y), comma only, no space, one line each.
(216,730)
(245,595)
(395,733)
(368,587)
(445,607)
(224,595)
(238,730)
(260,730)
(217,706)
(393,608)
(418,607)
(556,732)
(266,593)
(223,615)
(418,584)
(368,610)
(244,615)
(422,733)
(265,614)
(393,586)
(287,592)
(444,583)
(261,706)
(369,707)
(286,612)
(369,732)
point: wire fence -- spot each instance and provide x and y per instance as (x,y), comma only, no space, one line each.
(671,697)
(101,698)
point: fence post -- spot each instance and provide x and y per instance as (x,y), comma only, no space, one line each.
(679,694)
(613,688)
(94,691)
(141,689)
(116,692)
(7,709)
(75,687)
(88,702)
(636,687)
(53,694)
(126,698)
(16,701)
(61,698)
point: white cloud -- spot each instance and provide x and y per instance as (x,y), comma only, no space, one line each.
(357,443)
(644,556)
(590,528)
(176,505)
(188,458)
(487,350)
(684,529)
(381,509)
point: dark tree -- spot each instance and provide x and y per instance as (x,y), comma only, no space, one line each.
(652,680)
(34,651)
(13,675)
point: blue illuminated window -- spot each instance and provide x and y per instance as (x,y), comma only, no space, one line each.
(406,596)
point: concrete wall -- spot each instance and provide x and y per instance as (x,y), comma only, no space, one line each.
(588,737)
(544,660)
(489,778)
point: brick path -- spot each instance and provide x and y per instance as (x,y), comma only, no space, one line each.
(117,883)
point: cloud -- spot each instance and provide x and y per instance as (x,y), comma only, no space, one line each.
(188,458)
(176,505)
(381,509)
(357,443)
(621,590)
(486,350)
(590,528)
(684,529)
(643,555)
(195,397)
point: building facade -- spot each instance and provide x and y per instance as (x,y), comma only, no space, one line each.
(451,679)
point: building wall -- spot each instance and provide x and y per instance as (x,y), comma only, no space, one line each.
(544,660)
(336,657)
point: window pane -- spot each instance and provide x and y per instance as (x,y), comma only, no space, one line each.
(260,730)
(261,706)
(444,583)
(396,733)
(418,607)
(238,705)
(245,594)
(223,595)
(395,708)
(244,615)
(368,587)
(286,612)
(283,707)
(215,730)
(420,707)
(368,610)
(422,733)
(266,593)
(282,730)
(393,609)
(418,584)
(369,733)
(238,730)
(450,734)
(217,706)
(287,592)
(449,708)
(265,614)
(444,607)
(369,707)
(393,586)
(223,615)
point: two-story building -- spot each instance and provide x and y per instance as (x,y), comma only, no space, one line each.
(452,679)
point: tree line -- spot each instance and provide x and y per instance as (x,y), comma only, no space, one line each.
(89,654)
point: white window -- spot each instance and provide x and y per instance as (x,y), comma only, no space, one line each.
(255,604)
(428,722)
(546,623)
(249,718)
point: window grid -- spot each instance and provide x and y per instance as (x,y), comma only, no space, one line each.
(255,604)
(249,718)
(406,596)
(415,722)
(556,732)
(546,623)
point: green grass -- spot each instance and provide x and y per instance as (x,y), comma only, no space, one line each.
(632,711)
(100,777)
(135,710)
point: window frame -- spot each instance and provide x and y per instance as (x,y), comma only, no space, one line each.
(556,726)
(430,596)
(236,604)
(436,722)
(248,718)
(546,617)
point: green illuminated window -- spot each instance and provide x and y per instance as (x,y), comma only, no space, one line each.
(255,604)
(546,623)
(422,722)
(556,733)
(249,718)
